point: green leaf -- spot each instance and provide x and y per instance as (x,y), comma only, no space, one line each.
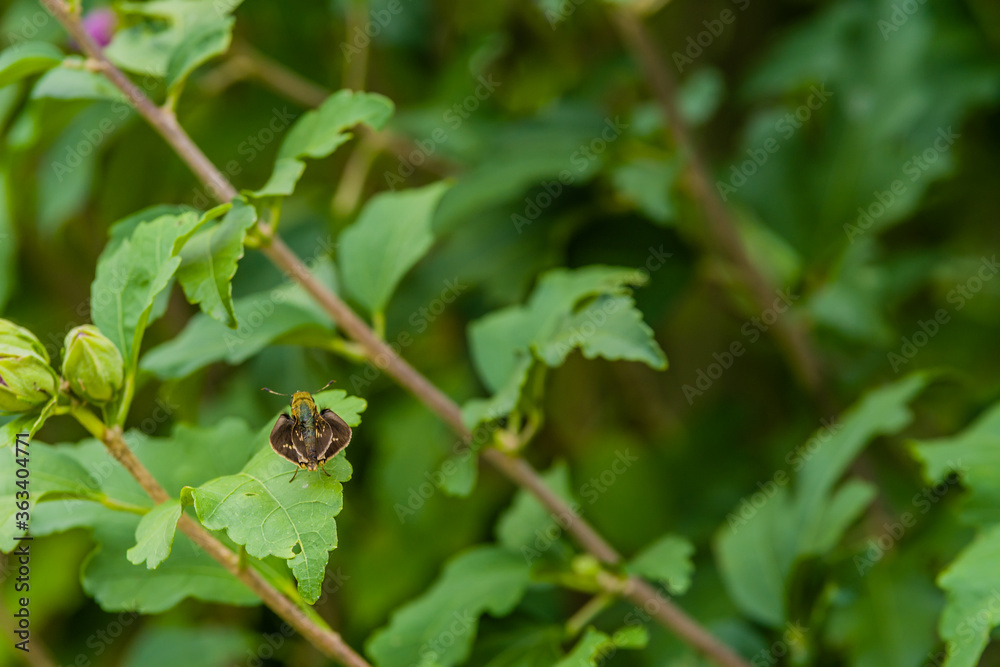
(265,318)
(170,38)
(974,454)
(65,173)
(320,132)
(526,527)
(130,278)
(72,82)
(390,235)
(190,456)
(771,530)
(588,308)
(155,535)
(54,475)
(874,638)
(23,60)
(210,645)
(260,509)
(197,47)
(971,583)
(482,579)
(118,585)
(210,259)
(596,648)
(668,560)
(646,184)
(610,327)
(124,228)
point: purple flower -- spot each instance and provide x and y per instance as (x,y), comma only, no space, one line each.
(100,24)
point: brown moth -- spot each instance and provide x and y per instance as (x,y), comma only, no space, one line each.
(308,437)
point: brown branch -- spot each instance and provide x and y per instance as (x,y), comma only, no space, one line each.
(792,337)
(326,640)
(518,470)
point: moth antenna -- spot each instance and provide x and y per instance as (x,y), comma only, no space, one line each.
(273,392)
(325,386)
(293,475)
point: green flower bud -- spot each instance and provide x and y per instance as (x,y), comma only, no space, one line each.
(15,340)
(92,364)
(26,382)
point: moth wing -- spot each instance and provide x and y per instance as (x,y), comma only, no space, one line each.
(285,440)
(332,435)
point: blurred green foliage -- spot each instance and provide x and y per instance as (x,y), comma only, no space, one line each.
(528,181)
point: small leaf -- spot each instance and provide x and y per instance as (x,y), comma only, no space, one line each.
(320,132)
(503,338)
(973,454)
(390,235)
(596,648)
(668,560)
(201,44)
(23,60)
(264,318)
(53,475)
(75,83)
(646,184)
(526,527)
(118,585)
(610,327)
(210,259)
(130,278)
(482,579)
(154,535)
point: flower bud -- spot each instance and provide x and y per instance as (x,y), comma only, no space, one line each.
(16,341)
(26,382)
(92,364)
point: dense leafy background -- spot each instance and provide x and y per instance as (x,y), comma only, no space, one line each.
(812,573)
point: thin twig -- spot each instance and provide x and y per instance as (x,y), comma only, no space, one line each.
(325,639)
(792,336)
(518,470)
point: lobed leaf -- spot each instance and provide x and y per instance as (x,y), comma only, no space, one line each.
(439,627)
(669,560)
(320,132)
(259,509)
(209,261)
(760,546)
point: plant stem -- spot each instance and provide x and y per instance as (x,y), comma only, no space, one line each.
(309,625)
(792,337)
(587,613)
(516,469)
